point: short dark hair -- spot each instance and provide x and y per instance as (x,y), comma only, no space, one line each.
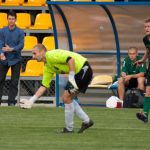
(40,47)
(12,13)
(147,20)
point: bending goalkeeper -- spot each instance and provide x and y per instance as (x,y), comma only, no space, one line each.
(80,75)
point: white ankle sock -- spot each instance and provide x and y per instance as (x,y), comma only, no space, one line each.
(80,113)
(69,115)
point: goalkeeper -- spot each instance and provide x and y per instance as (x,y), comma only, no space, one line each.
(80,75)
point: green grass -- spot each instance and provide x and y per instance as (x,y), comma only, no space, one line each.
(36,129)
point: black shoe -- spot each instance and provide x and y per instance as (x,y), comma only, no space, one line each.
(85,126)
(65,130)
(142,117)
(11,104)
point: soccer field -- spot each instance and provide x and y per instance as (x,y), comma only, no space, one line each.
(37,129)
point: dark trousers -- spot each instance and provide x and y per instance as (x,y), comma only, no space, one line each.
(13,87)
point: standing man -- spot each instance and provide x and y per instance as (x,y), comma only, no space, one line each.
(11,44)
(80,75)
(143,116)
(132,75)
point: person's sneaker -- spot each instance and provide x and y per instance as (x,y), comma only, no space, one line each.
(11,104)
(85,126)
(65,130)
(142,117)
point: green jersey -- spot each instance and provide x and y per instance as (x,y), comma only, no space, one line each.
(146,41)
(57,63)
(130,68)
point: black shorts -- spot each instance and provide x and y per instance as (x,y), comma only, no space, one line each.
(132,83)
(83,78)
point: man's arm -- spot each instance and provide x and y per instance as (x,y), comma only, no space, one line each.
(145,56)
(7,48)
(129,77)
(71,64)
(141,74)
(18,47)
(25,103)
(124,70)
(38,94)
(20,43)
(47,77)
(142,70)
(40,91)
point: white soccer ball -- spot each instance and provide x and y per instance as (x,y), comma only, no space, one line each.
(114,102)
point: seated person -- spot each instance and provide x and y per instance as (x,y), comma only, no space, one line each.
(132,76)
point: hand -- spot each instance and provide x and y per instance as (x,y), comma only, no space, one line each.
(71,89)
(128,77)
(2,56)
(123,74)
(25,103)
(72,79)
(7,48)
(139,62)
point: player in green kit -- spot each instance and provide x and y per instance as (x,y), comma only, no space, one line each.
(132,76)
(143,116)
(80,75)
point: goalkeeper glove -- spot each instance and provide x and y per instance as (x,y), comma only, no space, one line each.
(25,103)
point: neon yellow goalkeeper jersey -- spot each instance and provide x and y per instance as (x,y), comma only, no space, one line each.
(56,62)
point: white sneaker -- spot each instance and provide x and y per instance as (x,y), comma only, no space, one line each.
(113,85)
(25,103)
